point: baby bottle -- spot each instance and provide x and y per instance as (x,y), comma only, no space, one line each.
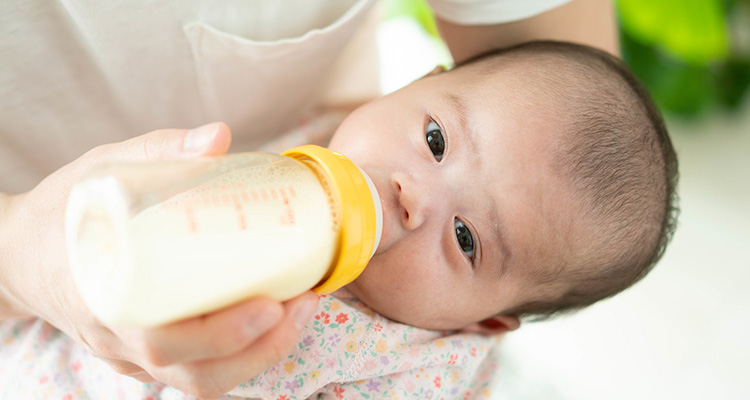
(151,243)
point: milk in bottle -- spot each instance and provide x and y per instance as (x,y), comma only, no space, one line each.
(151,243)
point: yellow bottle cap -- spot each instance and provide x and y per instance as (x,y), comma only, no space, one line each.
(360,211)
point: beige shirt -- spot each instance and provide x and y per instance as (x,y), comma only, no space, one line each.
(75,74)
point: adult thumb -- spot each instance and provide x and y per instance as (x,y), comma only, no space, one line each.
(207,140)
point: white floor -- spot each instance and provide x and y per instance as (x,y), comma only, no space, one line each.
(683,332)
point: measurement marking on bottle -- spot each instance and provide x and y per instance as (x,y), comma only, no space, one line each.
(240,212)
(287,218)
(192,223)
(284,195)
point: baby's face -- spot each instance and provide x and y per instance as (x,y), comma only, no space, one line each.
(469,200)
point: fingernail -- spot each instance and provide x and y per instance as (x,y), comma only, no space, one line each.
(198,138)
(304,313)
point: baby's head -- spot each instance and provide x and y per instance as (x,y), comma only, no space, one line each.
(525,183)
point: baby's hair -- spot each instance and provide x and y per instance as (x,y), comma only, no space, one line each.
(616,155)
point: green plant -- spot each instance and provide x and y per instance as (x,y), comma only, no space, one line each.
(684,53)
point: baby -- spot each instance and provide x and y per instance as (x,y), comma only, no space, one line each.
(522,184)
(528,182)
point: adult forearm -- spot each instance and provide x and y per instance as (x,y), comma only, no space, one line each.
(10,304)
(5,200)
(590,22)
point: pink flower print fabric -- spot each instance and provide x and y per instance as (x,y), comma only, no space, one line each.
(347,351)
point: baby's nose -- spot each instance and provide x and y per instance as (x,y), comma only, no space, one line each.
(413,200)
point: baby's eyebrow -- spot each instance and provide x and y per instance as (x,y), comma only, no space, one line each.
(503,263)
(462,112)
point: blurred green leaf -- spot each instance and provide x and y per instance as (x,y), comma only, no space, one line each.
(676,86)
(681,52)
(732,82)
(693,30)
(417,9)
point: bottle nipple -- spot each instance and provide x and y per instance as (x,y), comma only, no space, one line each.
(378,211)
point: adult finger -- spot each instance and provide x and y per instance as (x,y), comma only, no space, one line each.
(214,335)
(207,140)
(213,378)
(126,368)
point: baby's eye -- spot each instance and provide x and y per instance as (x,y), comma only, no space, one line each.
(435,140)
(465,240)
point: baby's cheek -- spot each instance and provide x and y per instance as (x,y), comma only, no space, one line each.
(405,272)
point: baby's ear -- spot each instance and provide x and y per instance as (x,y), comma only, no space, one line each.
(493,326)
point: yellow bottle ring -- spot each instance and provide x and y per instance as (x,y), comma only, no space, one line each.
(358,223)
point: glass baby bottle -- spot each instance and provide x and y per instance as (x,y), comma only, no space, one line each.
(151,243)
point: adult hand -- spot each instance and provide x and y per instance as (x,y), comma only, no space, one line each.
(204,356)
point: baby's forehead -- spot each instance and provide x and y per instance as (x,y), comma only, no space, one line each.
(547,79)
(531,64)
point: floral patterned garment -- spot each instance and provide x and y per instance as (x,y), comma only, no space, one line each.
(346,352)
